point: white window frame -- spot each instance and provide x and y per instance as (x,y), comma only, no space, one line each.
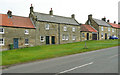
(26,31)
(83,35)
(64,28)
(73,37)
(63,37)
(108,28)
(47,26)
(109,34)
(113,30)
(41,38)
(102,35)
(67,37)
(2,32)
(73,29)
(1,44)
(102,28)
(28,41)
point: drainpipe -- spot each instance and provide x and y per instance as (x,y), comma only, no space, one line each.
(58,33)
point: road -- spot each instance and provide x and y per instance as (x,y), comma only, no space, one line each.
(100,61)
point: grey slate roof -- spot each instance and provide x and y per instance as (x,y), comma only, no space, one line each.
(56,19)
(101,22)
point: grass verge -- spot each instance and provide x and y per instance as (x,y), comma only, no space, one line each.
(17,56)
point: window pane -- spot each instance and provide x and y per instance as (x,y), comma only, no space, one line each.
(26,41)
(1,41)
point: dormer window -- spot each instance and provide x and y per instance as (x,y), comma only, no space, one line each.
(65,28)
(1,30)
(47,26)
(26,32)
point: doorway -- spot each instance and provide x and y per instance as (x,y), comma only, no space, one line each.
(87,36)
(53,40)
(15,41)
(47,40)
(94,36)
(105,36)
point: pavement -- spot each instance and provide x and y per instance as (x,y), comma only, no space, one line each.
(99,61)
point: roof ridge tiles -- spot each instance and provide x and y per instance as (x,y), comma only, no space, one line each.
(54,15)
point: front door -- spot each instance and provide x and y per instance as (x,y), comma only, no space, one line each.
(94,36)
(87,36)
(105,36)
(47,40)
(15,42)
(53,40)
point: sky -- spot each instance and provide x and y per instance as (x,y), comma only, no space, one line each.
(81,8)
(119,11)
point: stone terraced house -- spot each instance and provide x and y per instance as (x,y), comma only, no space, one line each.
(103,28)
(88,32)
(53,29)
(16,30)
(45,29)
(115,30)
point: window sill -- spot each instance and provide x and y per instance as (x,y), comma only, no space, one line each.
(26,33)
(42,41)
(1,44)
(1,33)
(26,44)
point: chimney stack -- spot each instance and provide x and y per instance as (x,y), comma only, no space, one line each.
(73,16)
(9,13)
(31,9)
(51,12)
(108,20)
(114,22)
(104,19)
(90,16)
(118,22)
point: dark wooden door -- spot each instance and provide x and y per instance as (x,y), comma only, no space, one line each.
(105,36)
(47,40)
(94,36)
(15,41)
(53,40)
(87,36)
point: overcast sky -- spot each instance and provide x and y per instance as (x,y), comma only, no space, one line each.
(81,8)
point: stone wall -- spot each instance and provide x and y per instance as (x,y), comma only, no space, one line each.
(10,33)
(85,38)
(56,30)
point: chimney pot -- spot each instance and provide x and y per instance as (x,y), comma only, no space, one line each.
(90,16)
(108,20)
(51,12)
(104,19)
(31,8)
(9,13)
(114,22)
(73,16)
